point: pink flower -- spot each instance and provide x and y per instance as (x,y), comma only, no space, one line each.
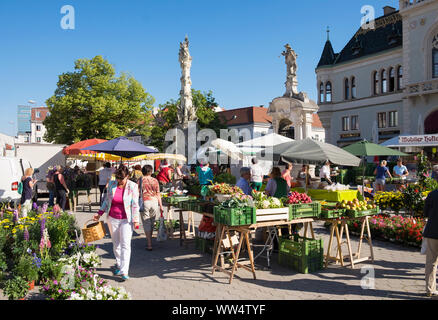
(55,282)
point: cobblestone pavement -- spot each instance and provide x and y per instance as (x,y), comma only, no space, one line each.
(174,272)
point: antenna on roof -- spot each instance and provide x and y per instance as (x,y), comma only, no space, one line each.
(328,33)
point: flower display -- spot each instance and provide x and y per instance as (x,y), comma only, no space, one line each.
(406,230)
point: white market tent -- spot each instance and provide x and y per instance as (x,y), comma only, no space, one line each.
(256,145)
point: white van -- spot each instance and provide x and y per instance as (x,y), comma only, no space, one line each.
(11,172)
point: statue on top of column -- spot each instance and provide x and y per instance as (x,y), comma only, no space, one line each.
(291,64)
(186,110)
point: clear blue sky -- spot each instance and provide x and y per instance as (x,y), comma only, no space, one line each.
(236,45)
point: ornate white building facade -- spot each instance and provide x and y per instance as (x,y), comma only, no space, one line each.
(384,83)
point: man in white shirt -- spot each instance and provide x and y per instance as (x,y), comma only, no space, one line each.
(256,175)
(105,176)
(325,173)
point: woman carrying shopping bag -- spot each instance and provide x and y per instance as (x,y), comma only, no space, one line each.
(122,209)
(152,203)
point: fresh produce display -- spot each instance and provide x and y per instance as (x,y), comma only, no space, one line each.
(356,205)
(262,201)
(238,201)
(225,189)
(297,198)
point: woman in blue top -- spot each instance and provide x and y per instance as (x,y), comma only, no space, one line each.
(380,173)
(205,174)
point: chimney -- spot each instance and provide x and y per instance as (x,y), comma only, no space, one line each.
(388,10)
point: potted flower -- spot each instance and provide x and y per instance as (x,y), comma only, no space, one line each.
(26,269)
(16,288)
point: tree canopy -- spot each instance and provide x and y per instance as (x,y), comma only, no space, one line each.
(167,118)
(91,102)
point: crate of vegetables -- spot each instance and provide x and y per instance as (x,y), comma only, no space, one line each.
(269,208)
(301,206)
(234,216)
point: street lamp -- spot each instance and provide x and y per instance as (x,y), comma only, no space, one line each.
(30,133)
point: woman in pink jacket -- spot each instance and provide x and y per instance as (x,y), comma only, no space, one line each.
(122,209)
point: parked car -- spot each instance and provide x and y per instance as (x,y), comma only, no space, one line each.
(11,172)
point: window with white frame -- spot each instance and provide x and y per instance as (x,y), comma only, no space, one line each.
(38,128)
(393,119)
(345,123)
(354,122)
(353,88)
(381,120)
(328,92)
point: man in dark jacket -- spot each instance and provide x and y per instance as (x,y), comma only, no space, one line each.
(431,236)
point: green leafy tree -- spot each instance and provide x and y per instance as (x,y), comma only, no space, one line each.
(167,117)
(91,102)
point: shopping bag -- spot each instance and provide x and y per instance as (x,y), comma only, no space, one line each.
(424,244)
(162,232)
(204,191)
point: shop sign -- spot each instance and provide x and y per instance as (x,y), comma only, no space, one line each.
(419,140)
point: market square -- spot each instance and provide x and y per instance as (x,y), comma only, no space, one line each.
(116,192)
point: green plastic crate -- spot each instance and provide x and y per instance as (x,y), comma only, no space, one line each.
(204,245)
(332,213)
(235,216)
(301,254)
(359,214)
(301,264)
(305,210)
(300,246)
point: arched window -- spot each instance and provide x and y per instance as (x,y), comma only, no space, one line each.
(384,82)
(391,80)
(434,63)
(375,83)
(328,91)
(321,92)
(399,77)
(353,88)
(346,89)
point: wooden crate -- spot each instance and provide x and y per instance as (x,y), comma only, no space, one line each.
(263,215)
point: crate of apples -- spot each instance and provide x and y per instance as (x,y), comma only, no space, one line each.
(356,205)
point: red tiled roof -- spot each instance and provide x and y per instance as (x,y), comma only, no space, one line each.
(43,113)
(316,121)
(245,116)
(255,115)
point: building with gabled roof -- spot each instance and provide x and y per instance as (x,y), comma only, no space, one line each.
(384,81)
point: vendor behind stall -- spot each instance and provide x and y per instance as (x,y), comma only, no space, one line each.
(302,176)
(277,187)
(245,178)
(325,173)
(400,171)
